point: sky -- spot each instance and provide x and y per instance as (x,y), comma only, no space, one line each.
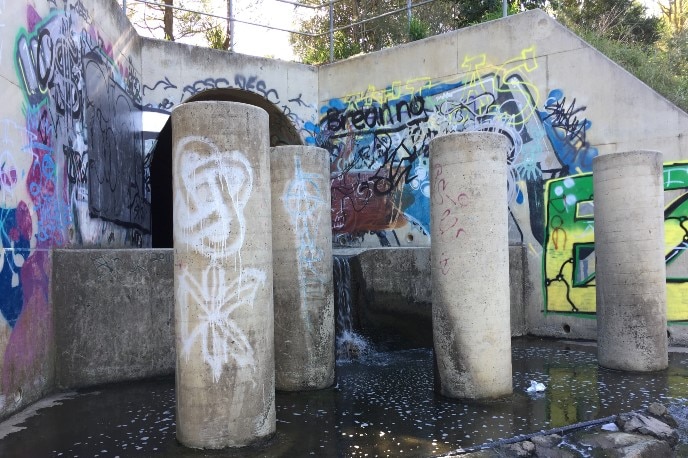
(253,40)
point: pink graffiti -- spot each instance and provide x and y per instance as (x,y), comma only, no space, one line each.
(32,18)
(449,221)
(8,178)
(28,348)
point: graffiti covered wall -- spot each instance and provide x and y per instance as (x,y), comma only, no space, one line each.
(379,140)
(569,259)
(72,170)
(81,113)
(288,91)
(534,89)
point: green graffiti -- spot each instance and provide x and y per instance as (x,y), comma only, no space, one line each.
(568,263)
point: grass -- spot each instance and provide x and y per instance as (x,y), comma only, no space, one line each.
(655,66)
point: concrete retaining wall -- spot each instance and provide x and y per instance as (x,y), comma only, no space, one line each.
(176,73)
(114,315)
(393,299)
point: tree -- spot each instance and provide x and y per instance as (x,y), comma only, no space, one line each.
(621,20)
(473,12)
(427,20)
(162,21)
(371,35)
(217,38)
(675,13)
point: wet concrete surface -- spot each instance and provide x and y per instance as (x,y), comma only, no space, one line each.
(382,405)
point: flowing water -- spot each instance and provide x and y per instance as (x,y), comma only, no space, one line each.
(350,345)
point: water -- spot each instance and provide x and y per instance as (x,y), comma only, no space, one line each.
(350,345)
(383,405)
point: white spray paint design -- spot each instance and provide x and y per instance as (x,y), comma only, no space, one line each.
(304,203)
(219,336)
(210,224)
(213,189)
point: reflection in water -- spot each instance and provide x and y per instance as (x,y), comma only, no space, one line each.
(383,404)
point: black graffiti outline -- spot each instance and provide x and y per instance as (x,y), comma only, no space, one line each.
(167,84)
(209,83)
(298,100)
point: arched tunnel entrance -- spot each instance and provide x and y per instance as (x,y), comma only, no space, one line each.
(282,132)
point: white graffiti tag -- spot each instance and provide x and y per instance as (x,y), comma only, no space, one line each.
(215,296)
(213,188)
(304,203)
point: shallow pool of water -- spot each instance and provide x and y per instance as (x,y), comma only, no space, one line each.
(382,405)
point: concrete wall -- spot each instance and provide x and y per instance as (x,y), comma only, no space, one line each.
(79,117)
(392,294)
(175,73)
(561,103)
(73,169)
(114,315)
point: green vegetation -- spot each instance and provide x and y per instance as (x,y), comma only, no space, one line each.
(654,49)
(663,67)
(418,29)
(375,34)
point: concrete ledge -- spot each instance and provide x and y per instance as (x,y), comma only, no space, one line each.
(392,292)
(392,296)
(114,315)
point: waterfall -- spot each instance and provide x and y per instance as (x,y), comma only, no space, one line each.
(350,345)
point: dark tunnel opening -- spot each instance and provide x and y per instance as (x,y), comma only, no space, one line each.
(282,132)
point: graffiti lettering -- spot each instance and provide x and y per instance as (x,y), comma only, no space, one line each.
(377,116)
(202,85)
(382,139)
(253,84)
(567,133)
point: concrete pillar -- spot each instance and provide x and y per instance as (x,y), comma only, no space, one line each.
(223,274)
(302,252)
(470,264)
(630,271)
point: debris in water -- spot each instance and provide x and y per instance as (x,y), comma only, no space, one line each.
(536,387)
(610,427)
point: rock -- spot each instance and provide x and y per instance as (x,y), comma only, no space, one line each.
(549,447)
(550,441)
(625,445)
(520,449)
(612,441)
(661,413)
(652,427)
(646,449)
(656,409)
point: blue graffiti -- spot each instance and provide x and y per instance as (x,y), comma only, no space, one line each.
(567,132)
(16,248)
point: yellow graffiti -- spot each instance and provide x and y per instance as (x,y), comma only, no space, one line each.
(396,91)
(566,405)
(569,258)
(510,78)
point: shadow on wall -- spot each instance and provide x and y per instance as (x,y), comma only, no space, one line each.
(282,132)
